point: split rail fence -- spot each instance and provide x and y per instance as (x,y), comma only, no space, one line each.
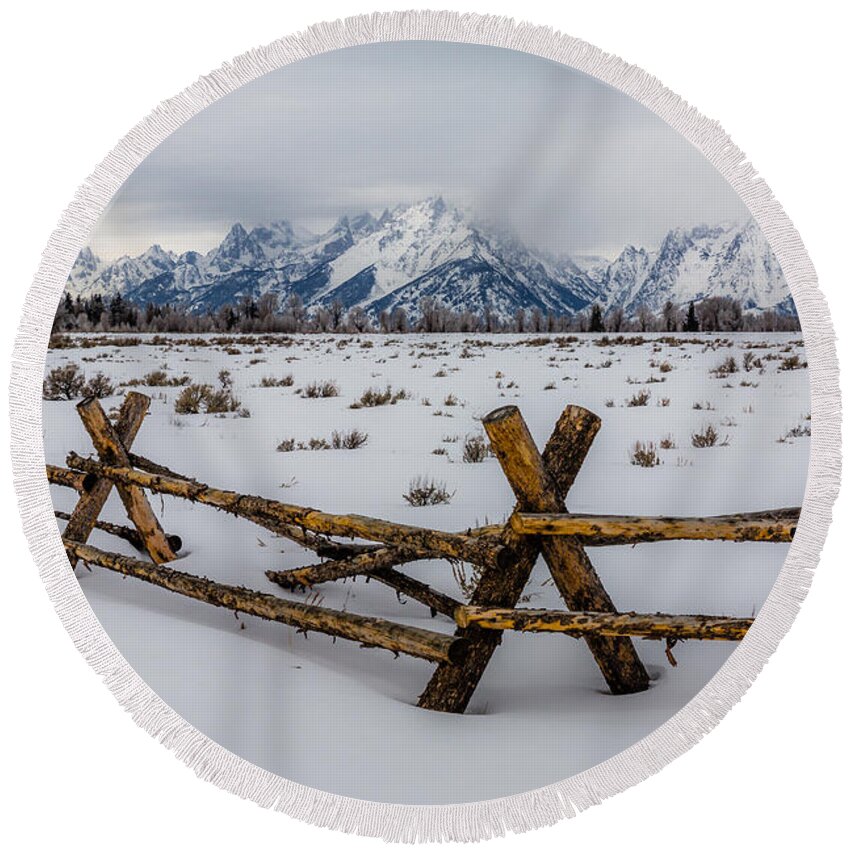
(504,555)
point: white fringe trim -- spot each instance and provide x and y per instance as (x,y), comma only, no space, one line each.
(470,821)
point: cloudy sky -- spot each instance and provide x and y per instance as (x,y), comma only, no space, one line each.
(574,165)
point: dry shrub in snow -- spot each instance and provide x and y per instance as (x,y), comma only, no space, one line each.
(476,449)
(378,398)
(708,437)
(423,492)
(64,382)
(352,439)
(98,386)
(639,399)
(725,368)
(789,364)
(803,430)
(667,442)
(202,398)
(751,362)
(321,389)
(466,582)
(269,381)
(191,400)
(644,454)
(159,378)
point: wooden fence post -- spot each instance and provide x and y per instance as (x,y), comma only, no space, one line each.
(451,687)
(88,508)
(112,450)
(538,489)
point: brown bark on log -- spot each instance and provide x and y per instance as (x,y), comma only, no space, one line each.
(591,530)
(567,448)
(134,408)
(110,449)
(370,631)
(483,550)
(129,534)
(65,477)
(574,575)
(579,623)
(361,564)
(451,687)
(319,544)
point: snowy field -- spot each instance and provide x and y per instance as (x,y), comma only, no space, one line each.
(343,719)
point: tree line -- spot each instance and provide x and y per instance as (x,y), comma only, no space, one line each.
(267,315)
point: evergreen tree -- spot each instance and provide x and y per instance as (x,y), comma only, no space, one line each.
(691,323)
(596,325)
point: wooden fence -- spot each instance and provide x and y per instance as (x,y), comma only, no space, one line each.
(504,555)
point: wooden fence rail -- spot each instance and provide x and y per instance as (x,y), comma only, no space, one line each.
(578,623)
(477,550)
(593,530)
(504,554)
(369,631)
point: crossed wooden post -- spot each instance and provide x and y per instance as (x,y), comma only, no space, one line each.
(113,444)
(540,484)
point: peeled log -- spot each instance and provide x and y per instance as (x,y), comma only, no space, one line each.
(452,686)
(108,444)
(579,623)
(538,489)
(134,408)
(65,477)
(591,530)
(484,549)
(370,631)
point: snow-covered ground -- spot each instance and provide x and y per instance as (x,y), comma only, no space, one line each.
(343,719)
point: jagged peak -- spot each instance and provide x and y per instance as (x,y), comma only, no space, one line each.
(88,256)
(237,231)
(156,252)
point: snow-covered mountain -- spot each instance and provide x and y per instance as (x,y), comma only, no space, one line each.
(431,249)
(691,265)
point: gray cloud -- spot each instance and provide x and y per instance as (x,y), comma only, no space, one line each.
(576,166)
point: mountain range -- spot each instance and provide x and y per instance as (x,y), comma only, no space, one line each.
(433,249)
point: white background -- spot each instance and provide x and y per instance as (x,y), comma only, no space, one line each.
(76,77)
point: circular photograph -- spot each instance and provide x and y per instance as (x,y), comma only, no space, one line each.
(420,402)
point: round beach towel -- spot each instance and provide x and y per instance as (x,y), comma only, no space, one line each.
(425,425)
